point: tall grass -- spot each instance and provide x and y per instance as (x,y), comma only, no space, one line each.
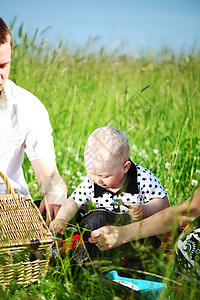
(83,90)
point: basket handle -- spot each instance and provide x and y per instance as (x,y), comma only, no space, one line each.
(7,183)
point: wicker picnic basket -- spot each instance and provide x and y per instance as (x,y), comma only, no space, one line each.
(25,240)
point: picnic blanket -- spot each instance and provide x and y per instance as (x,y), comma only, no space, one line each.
(151,289)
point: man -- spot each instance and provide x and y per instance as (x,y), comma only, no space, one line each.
(25,127)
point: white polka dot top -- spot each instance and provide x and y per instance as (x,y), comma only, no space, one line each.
(140,187)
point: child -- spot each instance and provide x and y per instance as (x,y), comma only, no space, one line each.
(113,182)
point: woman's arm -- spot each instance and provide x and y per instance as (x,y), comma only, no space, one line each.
(108,237)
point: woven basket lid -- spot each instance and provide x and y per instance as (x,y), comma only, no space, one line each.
(20,221)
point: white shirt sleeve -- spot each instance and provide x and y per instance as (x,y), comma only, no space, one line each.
(149,185)
(39,140)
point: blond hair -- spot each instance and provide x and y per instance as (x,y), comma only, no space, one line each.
(106,143)
(5,34)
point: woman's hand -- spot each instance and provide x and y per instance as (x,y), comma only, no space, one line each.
(193,205)
(107,237)
(58,225)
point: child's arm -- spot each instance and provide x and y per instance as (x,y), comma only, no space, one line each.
(141,211)
(65,214)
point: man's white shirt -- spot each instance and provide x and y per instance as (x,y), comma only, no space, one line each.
(24,128)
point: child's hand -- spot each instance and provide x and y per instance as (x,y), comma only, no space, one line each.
(58,225)
(137,211)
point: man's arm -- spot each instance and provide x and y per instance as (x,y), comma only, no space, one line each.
(51,186)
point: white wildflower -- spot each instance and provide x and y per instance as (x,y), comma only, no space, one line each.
(176,152)
(134,147)
(198,171)
(177,181)
(194,182)
(59,153)
(69,149)
(30,171)
(35,185)
(67,172)
(155,151)
(167,165)
(144,154)
(79,174)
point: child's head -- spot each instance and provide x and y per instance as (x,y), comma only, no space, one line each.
(5,34)
(106,156)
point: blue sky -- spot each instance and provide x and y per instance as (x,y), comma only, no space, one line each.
(133,25)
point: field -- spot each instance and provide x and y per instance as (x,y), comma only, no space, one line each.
(153,98)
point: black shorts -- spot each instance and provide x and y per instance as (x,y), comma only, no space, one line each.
(128,252)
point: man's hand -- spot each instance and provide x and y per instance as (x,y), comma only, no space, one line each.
(137,211)
(51,186)
(58,225)
(51,210)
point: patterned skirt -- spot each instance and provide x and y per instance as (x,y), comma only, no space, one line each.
(188,250)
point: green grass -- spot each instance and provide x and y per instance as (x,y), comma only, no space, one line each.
(83,90)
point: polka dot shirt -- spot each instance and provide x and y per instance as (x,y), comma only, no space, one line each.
(140,187)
